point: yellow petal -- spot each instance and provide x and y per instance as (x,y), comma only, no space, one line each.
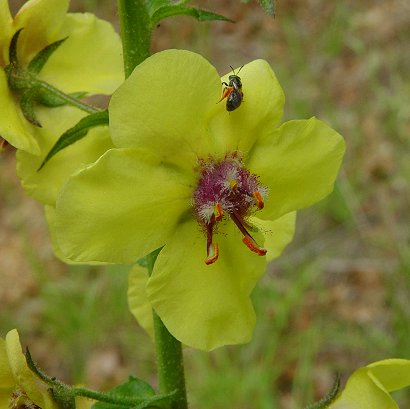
(89,60)
(298,163)
(6,31)
(163,107)
(138,302)
(205,306)
(369,387)
(6,376)
(277,233)
(41,20)
(259,113)
(83,403)
(121,208)
(44,185)
(23,376)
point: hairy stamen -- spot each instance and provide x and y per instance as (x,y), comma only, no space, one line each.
(226,187)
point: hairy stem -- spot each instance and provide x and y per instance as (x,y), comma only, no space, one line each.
(135,32)
(67,98)
(136,39)
(169,356)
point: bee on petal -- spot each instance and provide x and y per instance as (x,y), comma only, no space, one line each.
(233,91)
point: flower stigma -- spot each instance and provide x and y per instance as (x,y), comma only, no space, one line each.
(227,189)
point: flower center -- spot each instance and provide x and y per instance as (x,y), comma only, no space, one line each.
(227,189)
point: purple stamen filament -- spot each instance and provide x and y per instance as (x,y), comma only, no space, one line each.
(226,187)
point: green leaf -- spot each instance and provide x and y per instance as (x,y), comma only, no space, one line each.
(39,60)
(52,100)
(136,389)
(329,398)
(77,132)
(179,9)
(154,5)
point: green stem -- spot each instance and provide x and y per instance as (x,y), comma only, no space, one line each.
(67,98)
(135,28)
(135,32)
(169,356)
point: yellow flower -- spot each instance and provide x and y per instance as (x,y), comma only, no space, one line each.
(19,387)
(369,387)
(209,186)
(44,185)
(89,60)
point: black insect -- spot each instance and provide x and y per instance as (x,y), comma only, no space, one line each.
(233,91)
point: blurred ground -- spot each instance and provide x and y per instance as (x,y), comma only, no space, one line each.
(339,296)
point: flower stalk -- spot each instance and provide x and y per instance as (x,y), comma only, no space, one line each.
(169,356)
(66,98)
(135,33)
(136,38)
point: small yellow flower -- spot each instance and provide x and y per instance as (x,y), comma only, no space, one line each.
(88,61)
(19,387)
(44,185)
(369,387)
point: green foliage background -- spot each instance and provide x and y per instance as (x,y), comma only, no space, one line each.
(339,296)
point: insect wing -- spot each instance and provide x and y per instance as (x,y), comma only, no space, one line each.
(234,100)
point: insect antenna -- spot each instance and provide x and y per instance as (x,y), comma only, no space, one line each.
(238,70)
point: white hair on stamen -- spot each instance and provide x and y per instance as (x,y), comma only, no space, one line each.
(264,191)
(206,211)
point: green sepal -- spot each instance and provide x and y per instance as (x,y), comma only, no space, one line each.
(134,389)
(327,400)
(77,132)
(38,372)
(16,77)
(27,101)
(63,399)
(53,101)
(38,62)
(13,59)
(179,9)
(62,394)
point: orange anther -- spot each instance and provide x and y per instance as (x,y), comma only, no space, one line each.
(218,212)
(259,200)
(253,246)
